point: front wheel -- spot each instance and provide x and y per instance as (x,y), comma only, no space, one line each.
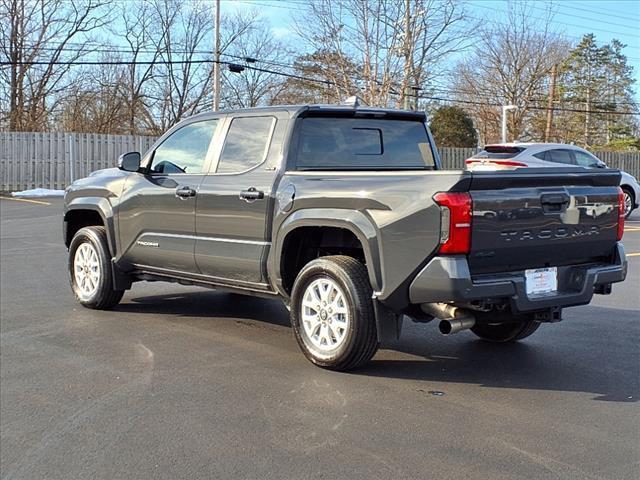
(332,313)
(505,332)
(90,269)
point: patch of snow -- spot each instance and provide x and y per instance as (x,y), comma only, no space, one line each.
(39,192)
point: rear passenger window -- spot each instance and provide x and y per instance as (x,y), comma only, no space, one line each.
(560,156)
(246,144)
(585,160)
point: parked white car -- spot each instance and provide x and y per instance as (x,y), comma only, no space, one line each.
(509,156)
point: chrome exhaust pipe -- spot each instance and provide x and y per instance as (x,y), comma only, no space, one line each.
(453,319)
(449,327)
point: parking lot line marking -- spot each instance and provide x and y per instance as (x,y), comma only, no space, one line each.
(633,254)
(26,200)
(632,229)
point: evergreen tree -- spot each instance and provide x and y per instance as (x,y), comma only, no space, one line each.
(596,79)
(453,127)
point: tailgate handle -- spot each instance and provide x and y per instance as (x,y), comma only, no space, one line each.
(554,202)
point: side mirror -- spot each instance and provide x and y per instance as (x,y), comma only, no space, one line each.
(601,164)
(129,162)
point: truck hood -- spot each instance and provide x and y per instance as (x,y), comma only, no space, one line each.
(108,182)
(112,172)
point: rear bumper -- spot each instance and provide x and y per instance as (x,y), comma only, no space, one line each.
(447,279)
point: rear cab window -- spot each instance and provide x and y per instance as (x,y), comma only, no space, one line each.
(346,143)
(498,152)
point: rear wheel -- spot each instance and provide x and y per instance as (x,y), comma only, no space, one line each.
(332,313)
(505,332)
(629,201)
(90,269)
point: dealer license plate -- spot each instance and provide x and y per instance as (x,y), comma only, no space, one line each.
(541,280)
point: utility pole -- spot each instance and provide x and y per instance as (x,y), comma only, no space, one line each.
(408,57)
(216,65)
(504,120)
(552,92)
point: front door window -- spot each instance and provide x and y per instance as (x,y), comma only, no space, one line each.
(185,150)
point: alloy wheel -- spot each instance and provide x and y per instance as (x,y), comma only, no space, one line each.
(325,315)
(86,270)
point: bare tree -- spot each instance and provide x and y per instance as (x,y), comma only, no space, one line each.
(394,43)
(314,80)
(509,65)
(95,103)
(354,32)
(34,40)
(141,39)
(431,34)
(181,78)
(253,86)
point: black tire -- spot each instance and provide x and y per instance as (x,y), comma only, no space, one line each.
(505,332)
(629,192)
(104,297)
(360,341)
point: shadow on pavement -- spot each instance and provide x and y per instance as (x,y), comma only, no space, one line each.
(210,304)
(589,353)
(582,354)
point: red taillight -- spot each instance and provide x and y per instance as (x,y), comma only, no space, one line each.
(502,163)
(455,224)
(620,213)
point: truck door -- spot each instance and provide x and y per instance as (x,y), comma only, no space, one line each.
(235,201)
(157,212)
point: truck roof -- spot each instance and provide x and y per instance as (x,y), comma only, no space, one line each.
(297,110)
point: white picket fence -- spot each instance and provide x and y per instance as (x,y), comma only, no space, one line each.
(54,160)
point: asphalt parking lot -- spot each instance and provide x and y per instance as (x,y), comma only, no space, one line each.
(182,382)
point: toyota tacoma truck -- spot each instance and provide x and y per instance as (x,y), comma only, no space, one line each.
(346,214)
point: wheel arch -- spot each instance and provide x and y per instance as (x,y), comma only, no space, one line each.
(353,222)
(89,212)
(634,194)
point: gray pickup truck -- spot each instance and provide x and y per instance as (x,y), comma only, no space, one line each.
(346,214)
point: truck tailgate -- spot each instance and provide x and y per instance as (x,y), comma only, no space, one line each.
(542,218)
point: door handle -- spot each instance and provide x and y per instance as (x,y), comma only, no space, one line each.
(185,192)
(251,195)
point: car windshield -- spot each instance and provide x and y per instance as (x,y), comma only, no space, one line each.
(498,152)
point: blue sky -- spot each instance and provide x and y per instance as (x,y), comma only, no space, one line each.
(607,19)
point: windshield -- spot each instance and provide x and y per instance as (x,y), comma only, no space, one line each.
(332,143)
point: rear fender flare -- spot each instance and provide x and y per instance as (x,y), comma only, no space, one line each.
(354,221)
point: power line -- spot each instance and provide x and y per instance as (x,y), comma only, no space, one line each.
(170,62)
(531,107)
(299,7)
(485,94)
(307,79)
(591,10)
(557,23)
(573,15)
(109,49)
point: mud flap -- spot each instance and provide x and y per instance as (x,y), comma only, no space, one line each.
(121,281)
(388,323)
